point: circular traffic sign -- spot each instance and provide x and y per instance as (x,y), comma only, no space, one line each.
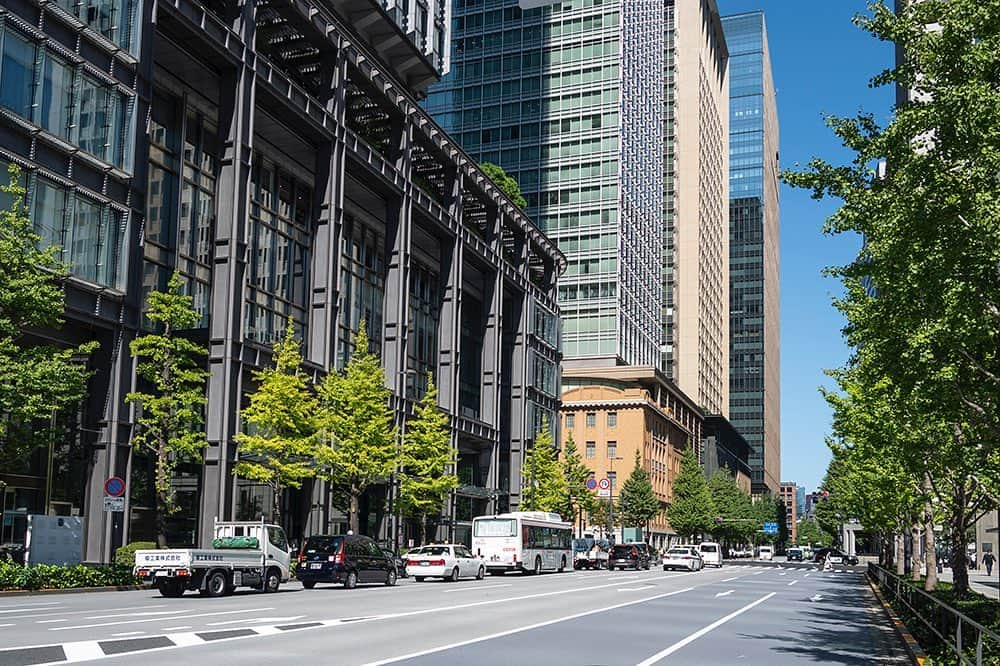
(114,487)
(604,484)
(591,484)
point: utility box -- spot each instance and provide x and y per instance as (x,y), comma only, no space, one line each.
(54,540)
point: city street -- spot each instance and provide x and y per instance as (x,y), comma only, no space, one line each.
(738,614)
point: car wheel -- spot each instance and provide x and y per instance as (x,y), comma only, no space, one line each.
(419,579)
(351,581)
(390,578)
(217,584)
(665,568)
(538,566)
(309,584)
(481,574)
(453,578)
(272,580)
(171,589)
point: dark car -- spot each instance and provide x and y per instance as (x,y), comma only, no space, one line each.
(629,556)
(400,562)
(795,555)
(348,560)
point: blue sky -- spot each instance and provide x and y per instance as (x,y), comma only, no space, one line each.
(821,64)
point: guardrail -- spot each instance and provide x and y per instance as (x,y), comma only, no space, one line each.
(965,637)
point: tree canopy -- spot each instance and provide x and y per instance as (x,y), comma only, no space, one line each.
(691,512)
(639,504)
(505,183)
(544,486)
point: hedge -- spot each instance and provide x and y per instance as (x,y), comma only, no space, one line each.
(125,556)
(50,576)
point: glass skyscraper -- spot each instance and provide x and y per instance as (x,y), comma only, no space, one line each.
(754,248)
(568,98)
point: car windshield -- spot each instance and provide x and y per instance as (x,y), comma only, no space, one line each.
(432,550)
(709,548)
(318,545)
(794,551)
(678,551)
(582,545)
(622,551)
(496,527)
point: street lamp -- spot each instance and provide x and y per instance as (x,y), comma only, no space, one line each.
(611,498)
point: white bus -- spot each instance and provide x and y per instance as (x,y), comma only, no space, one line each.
(530,541)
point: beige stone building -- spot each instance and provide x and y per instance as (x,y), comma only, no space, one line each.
(696,204)
(614,413)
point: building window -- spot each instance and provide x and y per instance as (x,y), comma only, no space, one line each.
(612,419)
(613,478)
(362,285)
(591,449)
(591,420)
(112,18)
(422,346)
(570,421)
(17,73)
(612,449)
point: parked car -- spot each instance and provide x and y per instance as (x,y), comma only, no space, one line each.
(446,561)
(740,553)
(628,556)
(711,553)
(795,555)
(398,560)
(683,557)
(590,553)
(349,560)
(765,553)
(835,556)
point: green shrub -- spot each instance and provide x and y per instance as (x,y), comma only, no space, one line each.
(50,576)
(125,556)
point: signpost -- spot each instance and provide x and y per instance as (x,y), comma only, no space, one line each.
(604,487)
(114,504)
(114,495)
(591,483)
(770,528)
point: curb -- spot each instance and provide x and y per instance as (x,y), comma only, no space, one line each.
(6,594)
(918,656)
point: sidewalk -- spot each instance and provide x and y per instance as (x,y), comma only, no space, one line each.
(978,581)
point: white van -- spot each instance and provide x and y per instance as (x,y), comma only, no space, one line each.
(711,552)
(765,553)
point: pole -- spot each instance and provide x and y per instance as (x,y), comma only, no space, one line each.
(48,472)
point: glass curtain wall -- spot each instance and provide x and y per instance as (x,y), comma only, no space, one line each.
(362,285)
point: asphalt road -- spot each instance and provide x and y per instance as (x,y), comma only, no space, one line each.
(737,614)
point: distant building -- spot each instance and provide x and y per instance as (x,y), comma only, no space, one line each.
(789,495)
(614,413)
(754,248)
(800,500)
(723,446)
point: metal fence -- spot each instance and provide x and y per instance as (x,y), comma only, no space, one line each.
(966,638)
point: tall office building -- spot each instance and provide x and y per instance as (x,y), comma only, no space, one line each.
(755,407)
(567,97)
(696,194)
(275,156)
(592,107)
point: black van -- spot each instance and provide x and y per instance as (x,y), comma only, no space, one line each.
(347,559)
(629,556)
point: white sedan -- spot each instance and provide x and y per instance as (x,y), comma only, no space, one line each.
(447,561)
(683,557)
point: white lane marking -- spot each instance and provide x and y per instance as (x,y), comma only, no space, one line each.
(783,573)
(128,633)
(30,607)
(808,574)
(816,597)
(184,640)
(701,632)
(259,620)
(730,579)
(82,651)
(756,573)
(724,594)
(479,587)
(529,627)
(176,628)
(147,614)
(634,589)
(51,621)
(52,611)
(158,619)
(7,625)
(793,582)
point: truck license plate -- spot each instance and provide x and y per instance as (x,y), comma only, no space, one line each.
(161,572)
(316,565)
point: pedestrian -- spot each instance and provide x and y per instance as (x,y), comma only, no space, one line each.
(988,560)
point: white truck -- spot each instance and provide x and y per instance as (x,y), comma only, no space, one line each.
(244,554)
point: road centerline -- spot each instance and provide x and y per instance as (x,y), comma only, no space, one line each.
(701,632)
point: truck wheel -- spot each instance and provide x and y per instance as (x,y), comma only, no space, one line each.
(272,580)
(171,588)
(217,584)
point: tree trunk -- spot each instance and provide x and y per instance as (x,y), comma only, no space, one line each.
(353,519)
(276,513)
(959,547)
(915,552)
(423,529)
(162,494)
(900,555)
(930,550)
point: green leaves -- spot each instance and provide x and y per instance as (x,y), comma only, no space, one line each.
(543,486)
(575,474)
(35,379)
(279,444)
(691,511)
(638,502)
(427,459)
(505,183)
(734,507)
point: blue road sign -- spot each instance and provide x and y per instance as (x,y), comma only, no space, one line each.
(114,487)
